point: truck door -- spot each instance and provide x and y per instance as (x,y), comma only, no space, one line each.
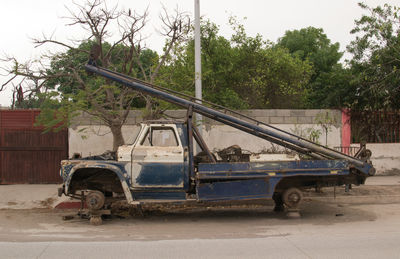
(158,159)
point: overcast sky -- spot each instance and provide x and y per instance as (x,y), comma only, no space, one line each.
(20,20)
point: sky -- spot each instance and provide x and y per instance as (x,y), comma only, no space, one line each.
(22,20)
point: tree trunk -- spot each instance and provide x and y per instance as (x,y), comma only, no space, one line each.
(151,112)
(118,139)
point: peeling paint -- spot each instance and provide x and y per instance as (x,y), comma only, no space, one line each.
(124,153)
(127,191)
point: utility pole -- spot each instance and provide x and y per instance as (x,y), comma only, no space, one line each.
(197,60)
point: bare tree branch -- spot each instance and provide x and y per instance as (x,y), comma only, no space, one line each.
(55,71)
(40,42)
(175,28)
(6,83)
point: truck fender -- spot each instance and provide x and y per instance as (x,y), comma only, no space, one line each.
(123,176)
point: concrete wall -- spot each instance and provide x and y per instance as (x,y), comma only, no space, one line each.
(88,136)
(220,136)
(385,157)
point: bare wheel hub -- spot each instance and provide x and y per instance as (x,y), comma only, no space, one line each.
(95,200)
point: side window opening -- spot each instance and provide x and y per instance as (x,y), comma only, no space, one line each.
(160,137)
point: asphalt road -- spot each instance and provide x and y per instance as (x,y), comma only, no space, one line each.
(301,245)
(325,230)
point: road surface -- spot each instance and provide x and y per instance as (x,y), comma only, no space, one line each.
(325,230)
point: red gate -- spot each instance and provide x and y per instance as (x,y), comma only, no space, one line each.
(27,155)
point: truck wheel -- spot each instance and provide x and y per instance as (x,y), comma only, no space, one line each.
(96,220)
(95,200)
(292,198)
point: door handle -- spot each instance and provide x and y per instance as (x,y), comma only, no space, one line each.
(177,152)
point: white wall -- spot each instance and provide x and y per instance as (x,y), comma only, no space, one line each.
(221,136)
(87,137)
(90,140)
(385,157)
(95,139)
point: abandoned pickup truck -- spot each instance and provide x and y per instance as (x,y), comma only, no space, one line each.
(160,165)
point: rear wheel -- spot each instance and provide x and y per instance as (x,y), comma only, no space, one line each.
(292,198)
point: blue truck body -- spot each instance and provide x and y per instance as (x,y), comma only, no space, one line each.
(144,179)
(214,182)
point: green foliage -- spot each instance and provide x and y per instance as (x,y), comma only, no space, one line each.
(217,62)
(243,72)
(272,78)
(56,111)
(376,58)
(312,44)
(334,89)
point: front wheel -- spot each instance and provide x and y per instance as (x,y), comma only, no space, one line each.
(95,200)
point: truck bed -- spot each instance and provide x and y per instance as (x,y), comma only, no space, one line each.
(254,170)
(252,180)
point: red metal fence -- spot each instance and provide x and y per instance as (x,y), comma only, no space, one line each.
(27,155)
(375,127)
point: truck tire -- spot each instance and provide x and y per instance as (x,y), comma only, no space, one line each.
(292,198)
(95,200)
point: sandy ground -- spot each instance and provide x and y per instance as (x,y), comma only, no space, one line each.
(325,230)
(376,204)
(29,196)
(194,223)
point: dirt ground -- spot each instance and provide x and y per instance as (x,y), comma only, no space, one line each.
(206,221)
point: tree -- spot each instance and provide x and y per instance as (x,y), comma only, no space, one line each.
(217,61)
(337,89)
(312,44)
(241,72)
(62,87)
(376,58)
